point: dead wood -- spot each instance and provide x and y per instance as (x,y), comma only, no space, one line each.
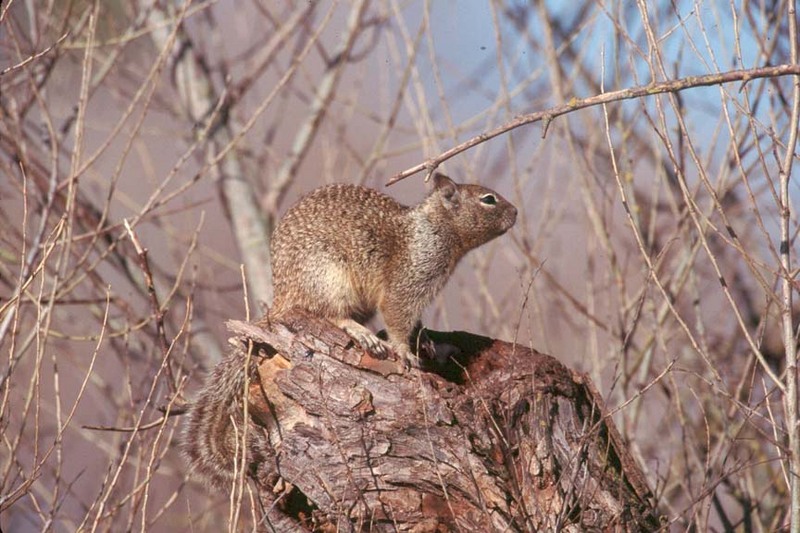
(498,438)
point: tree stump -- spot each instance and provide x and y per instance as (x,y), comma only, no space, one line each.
(498,438)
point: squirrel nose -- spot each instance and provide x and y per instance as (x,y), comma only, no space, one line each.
(512,217)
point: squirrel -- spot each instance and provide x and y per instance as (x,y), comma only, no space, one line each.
(345,252)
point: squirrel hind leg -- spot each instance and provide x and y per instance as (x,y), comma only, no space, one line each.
(363,336)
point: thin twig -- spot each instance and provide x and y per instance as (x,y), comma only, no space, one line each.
(155,305)
(575,104)
(787,279)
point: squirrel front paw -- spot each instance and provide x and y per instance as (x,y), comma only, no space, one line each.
(370,342)
(364,337)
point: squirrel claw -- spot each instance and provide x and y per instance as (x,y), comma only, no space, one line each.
(410,359)
(364,337)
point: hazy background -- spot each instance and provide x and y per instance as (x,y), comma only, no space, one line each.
(200,134)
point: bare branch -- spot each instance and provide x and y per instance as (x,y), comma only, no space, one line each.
(669,86)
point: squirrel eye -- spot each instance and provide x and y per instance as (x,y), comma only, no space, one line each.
(488,199)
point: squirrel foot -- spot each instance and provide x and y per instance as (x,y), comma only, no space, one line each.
(409,358)
(370,342)
(363,336)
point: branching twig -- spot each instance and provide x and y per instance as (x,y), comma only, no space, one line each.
(548,115)
(155,305)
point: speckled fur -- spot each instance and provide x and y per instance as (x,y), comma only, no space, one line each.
(344,252)
(212,435)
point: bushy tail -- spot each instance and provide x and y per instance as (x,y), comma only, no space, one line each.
(212,434)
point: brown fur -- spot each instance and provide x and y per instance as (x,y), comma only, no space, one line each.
(344,252)
(212,435)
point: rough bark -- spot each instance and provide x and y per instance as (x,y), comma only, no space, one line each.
(498,438)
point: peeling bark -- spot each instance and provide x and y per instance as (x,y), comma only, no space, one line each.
(498,438)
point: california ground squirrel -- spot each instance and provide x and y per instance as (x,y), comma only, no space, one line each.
(342,253)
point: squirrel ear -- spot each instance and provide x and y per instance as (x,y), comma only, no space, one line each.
(440,180)
(447,189)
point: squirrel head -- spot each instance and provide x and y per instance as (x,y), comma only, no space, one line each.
(474,214)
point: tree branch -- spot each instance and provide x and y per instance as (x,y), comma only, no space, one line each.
(574,104)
